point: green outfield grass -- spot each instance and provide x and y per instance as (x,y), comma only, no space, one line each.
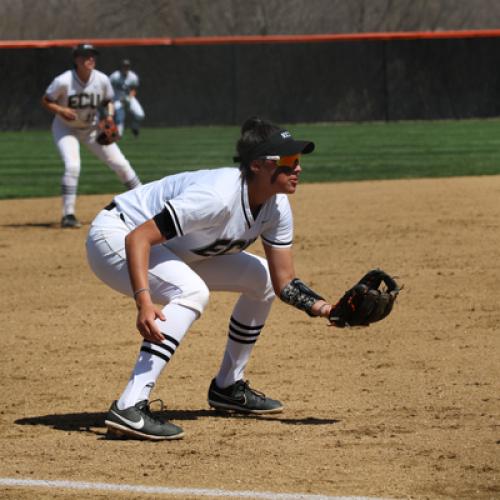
(30,165)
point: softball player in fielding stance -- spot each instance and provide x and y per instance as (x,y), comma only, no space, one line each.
(172,241)
(76,97)
(125,83)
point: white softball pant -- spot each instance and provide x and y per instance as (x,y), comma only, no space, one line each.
(68,141)
(131,105)
(184,291)
(171,280)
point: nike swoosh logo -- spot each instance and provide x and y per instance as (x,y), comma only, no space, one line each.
(135,425)
(242,401)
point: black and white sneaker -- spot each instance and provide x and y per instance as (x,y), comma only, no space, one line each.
(138,421)
(70,221)
(241,397)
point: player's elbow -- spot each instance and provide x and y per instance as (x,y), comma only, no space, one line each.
(44,102)
(277,289)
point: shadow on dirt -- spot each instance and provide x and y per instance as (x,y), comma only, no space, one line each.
(94,422)
(47,225)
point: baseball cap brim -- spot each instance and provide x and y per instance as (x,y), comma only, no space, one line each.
(279,144)
(287,148)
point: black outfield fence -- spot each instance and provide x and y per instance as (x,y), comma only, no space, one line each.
(290,79)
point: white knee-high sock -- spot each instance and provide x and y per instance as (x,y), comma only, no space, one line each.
(236,357)
(69,186)
(153,356)
(245,325)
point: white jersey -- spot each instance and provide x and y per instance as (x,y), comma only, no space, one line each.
(84,98)
(211,213)
(122,84)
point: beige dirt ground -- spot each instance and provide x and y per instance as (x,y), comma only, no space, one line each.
(407,408)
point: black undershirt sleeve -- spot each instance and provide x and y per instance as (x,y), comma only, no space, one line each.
(165,224)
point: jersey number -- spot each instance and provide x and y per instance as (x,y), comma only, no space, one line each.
(221,247)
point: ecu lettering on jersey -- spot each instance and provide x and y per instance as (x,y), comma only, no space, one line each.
(84,100)
(84,97)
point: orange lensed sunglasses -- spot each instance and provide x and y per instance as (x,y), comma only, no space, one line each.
(284,161)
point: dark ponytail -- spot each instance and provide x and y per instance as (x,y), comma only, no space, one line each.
(254,131)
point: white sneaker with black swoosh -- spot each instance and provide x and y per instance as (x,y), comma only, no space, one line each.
(241,397)
(138,421)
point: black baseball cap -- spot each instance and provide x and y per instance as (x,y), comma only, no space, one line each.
(85,49)
(280,143)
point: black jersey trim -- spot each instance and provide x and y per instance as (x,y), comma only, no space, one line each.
(243,203)
(176,219)
(277,243)
(165,224)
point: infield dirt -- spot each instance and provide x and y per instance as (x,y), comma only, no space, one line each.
(407,408)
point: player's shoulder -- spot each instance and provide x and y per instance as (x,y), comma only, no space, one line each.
(63,80)
(227,184)
(115,75)
(278,206)
(221,179)
(99,75)
(65,76)
(282,201)
(221,185)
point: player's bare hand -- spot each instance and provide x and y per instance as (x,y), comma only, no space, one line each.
(67,113)
(146,322)
(321,309)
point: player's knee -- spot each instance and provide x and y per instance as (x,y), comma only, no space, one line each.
(122,169)
(72,170)
(195,296)
(268,290)
(262,286)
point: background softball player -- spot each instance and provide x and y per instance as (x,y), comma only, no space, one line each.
(76,97)
(173,241)
(125,83)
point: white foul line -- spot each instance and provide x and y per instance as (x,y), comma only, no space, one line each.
(162,490)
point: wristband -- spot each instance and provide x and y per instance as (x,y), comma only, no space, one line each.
(137,292)
(298,294)
(321,308)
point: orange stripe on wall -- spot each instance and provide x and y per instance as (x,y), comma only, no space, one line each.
(101,42)
(249,39)
(411,35)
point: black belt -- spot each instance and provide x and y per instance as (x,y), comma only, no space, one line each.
(110,207)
